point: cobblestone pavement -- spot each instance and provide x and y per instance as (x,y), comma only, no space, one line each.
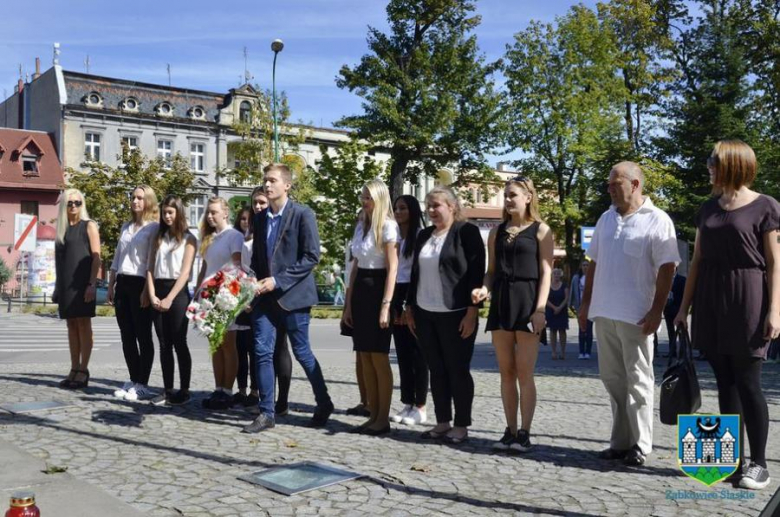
(185,461)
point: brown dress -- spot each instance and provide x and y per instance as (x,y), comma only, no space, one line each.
(732,298)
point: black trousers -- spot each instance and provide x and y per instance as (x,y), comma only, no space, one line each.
(449,359)
(246,359)
(672,332)
(135,327)
(412,367)
(171,329)
(739,392)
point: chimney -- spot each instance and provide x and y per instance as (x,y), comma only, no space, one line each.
(37,68)
(20,85)
(501,166)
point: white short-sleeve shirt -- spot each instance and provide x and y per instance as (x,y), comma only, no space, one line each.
(132,250)
(220,253)
(170,257)
(365,250)
(246,256)
(430,292)
(628,252)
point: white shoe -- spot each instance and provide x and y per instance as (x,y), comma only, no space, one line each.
(131,393)
(122,392)
(416,416)
(587,356)
(143,392)
(581,356)
(397,418)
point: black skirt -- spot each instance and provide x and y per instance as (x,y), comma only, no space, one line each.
(366,303)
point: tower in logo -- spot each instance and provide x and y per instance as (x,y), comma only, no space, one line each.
(708,446)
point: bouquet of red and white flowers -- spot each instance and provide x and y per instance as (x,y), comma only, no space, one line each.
(218,301)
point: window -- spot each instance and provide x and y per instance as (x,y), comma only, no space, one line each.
(197,157)
(164,109)
(30,208)
(130,104)
(92,146)
(30,164)
(245,111)
(196,208)
(93,100)
(165,151)
(198,113)
(131,142)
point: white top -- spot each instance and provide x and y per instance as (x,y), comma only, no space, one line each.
(368,255)
(170,257)
(220,253)
(404,275)
(246,256)
(430,294)
(628,252)
(132,249)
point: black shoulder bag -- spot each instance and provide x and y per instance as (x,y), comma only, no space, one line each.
(680,393)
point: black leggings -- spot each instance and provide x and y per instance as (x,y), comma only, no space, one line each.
(246,360)
(246,363)
(282,368)
(171,329)
(739,392)
(412,367)
(135,327)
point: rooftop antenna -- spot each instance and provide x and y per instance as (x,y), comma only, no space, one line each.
(56,58)
(247,76)
(86,64)
(21,74)
(168,66)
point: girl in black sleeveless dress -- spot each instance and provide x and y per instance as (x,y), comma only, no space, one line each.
(520,255)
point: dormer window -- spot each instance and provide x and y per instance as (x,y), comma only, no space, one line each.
(93,100)
(164,109)
(245,111)
(130,104)
(197,113)
(30,164)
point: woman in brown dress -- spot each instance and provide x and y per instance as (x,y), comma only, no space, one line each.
(734,288)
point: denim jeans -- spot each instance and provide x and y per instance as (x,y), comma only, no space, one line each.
(586,339)
(267,317)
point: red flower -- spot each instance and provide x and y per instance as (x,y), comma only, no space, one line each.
(234,287)
(205,294)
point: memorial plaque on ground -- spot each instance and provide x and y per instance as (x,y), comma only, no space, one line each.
(299,477)
(38,405)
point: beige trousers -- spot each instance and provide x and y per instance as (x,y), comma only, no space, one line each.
(626,369)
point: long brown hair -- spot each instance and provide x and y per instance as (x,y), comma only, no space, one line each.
(180,228)
(532,208)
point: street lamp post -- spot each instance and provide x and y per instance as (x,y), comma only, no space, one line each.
(277,45)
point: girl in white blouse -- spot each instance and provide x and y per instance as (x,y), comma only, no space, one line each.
(371,285)
(170,263)
(127,292)
(220,246)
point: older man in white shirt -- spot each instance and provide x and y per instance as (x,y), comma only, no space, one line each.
(634,255)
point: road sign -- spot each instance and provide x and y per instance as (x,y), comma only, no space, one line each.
(25,232)
(586,235)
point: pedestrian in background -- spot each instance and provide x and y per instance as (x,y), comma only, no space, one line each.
(557,313)
(520,255)
(670,312)
(734,290)
(412,367)
(127,292)
(634,255)
(584,335)
(243,324)
(170,264)
(449,263)
(76,262)
(374,249)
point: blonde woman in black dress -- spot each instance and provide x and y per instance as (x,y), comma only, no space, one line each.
(77,261)
(520,255)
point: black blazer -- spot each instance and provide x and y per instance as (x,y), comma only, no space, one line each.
(461,265)
(294,257)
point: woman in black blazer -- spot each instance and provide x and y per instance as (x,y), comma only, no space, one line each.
(449,262)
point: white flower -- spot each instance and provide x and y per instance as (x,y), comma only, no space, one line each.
(225,300)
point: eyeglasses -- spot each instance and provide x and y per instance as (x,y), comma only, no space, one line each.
(77,203)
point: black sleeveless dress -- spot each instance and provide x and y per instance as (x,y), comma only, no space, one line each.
(516,281)
(73,264)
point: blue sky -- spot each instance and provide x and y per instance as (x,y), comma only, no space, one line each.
(203,41)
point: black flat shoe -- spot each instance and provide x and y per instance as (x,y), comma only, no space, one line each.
(434,435)
(321,416)
(359,410)
(67,381)
(83,383)
(375,432)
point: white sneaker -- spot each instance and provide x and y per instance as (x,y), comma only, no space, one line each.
(131,393)
(581,356)
(143,392)
(397,418)
(587,356)
(416,416)
(122,392)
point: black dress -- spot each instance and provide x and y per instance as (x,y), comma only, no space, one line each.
(73,265)
(558,321)
(731,298)
(516,282)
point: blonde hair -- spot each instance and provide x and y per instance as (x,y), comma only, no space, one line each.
(532,208)
(206,230)
(383,210)
(735,165)
(451,199)
(151,208)
(62,213)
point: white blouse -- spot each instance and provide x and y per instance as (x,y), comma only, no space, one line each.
(430,294)
(132,250)
(365,250)
(246,256)
(404,275)
(170,257)
(220,253)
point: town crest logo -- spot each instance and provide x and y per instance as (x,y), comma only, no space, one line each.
(708,446)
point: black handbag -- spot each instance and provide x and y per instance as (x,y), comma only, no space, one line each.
(680,392)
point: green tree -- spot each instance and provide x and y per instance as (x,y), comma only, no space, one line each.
(107,189)
(428,94)
(338,182)
(5,274)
